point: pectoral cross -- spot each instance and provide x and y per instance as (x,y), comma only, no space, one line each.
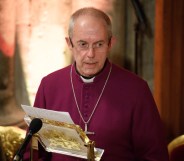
(86,130)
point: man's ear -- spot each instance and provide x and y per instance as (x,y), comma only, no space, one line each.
(68,42)
(112,42)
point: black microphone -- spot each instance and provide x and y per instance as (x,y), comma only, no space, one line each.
(34,127)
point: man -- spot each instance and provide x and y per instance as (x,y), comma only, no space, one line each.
(114,107)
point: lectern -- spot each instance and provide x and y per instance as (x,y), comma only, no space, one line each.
(60,135)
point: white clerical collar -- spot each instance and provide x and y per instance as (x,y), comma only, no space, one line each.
(87,80)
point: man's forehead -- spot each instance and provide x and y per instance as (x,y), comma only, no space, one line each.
(89,28)
(88,19)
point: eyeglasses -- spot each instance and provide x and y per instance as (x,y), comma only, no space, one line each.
(99,46)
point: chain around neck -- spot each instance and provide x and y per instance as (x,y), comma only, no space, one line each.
(86,122)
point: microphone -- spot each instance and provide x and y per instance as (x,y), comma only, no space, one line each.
(34,127)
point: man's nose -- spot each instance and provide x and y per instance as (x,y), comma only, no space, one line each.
(91,52)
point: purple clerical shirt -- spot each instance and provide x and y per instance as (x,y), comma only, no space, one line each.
(126,121)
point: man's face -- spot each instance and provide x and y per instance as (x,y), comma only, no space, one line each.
(91,45)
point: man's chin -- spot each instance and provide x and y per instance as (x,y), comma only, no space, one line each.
(89,73)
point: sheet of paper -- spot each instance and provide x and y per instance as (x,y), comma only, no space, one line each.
(47,114)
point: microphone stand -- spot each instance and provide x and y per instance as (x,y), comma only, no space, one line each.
(20,152)
(34,127)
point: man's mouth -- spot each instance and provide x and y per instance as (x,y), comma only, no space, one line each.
(90,64)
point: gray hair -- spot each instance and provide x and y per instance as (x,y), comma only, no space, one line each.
(91,12)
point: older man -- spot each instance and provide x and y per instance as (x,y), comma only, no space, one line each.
(114,106)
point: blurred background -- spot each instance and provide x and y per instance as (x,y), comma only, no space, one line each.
(150,36)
